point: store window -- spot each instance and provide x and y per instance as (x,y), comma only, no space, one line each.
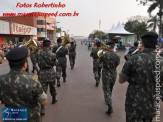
(40,22)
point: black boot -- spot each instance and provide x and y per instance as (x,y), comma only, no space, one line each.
(42,110)
(72,67)
(64,79)
(97,81)
(54,99)
(110,110)
(58,83)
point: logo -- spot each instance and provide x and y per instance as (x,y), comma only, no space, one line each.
(14,114)
(20,29)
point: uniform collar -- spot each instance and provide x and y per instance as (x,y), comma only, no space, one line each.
(18,71)
(148,50)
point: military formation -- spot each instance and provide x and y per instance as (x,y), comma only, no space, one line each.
(19,89)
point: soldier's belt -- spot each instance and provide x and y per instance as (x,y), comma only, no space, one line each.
(46,68)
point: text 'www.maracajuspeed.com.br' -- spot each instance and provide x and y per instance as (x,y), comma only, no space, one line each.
(41,14)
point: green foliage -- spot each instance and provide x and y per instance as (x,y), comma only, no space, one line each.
(58,30)
(97,34)
(153,5)
(153,22)
(134,26)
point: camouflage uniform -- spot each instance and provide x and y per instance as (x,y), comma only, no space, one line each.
(72,54)
(139,72)
(131,51)
(62,61)
(110,62)
(32,56)
(46,61)
(17,89)
(96,67)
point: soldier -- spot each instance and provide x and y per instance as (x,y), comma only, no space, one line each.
(110,62)
(32,56)
(139,72)
(18,89)
(61,53)
(72,54)
(132,51)
(46,61)
(96,67)
(20,44)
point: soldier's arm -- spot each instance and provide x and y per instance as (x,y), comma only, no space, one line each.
(39,93)
(126,71)
(54,49)
(91,55)
(55,61)
(101,59)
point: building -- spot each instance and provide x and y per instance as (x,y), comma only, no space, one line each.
(10,32)
(45,25)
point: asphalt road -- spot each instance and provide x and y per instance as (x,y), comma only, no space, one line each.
(78,99)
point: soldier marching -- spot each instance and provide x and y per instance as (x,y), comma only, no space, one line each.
(138,71)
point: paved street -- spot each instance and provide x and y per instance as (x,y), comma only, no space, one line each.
(78,99)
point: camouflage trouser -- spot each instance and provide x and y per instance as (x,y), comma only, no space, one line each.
(60,69)
(97,72)
(72,60)
(27,69)
(51,85)
(108,83)
(34,67)
(128,119)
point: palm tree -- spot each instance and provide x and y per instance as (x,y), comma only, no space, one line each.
(153,22)
(157,4)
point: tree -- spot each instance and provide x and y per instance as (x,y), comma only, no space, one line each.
(153,22)
(97,34)
(157,4)
(134,26)
(153,5)
(58,30)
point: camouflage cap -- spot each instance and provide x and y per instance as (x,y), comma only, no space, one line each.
(17,54)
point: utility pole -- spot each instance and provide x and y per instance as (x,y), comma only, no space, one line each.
(99,24)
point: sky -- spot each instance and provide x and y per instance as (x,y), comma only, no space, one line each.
(90,12)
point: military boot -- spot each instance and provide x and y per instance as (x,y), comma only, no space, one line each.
(97,81)
(72,67)
(64,79)
(54,99)
(33,71)
(42,110)
(110,110)
(58,83)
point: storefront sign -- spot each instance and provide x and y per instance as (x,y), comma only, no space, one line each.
(20,29)
(4,27)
